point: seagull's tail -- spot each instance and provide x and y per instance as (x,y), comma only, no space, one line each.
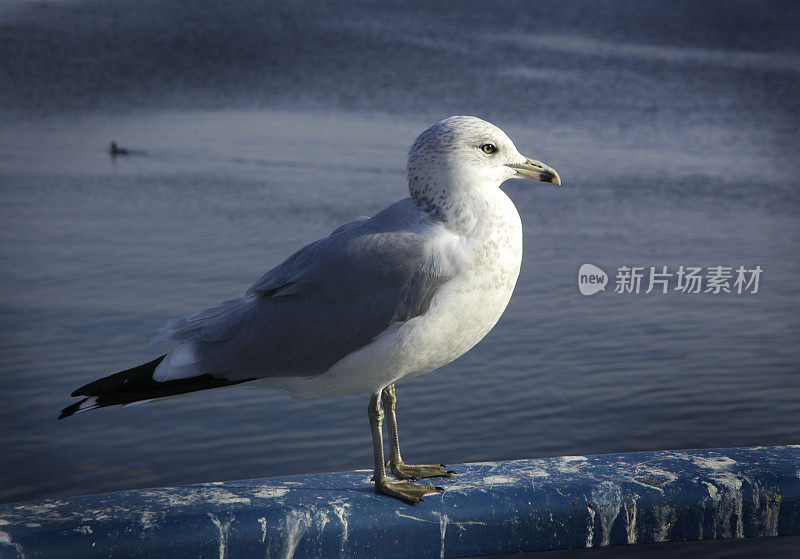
(136,385)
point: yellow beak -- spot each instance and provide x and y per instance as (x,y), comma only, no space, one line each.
(534,169)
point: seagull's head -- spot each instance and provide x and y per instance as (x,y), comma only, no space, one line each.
(464,153)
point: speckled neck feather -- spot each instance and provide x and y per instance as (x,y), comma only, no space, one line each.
(445,167)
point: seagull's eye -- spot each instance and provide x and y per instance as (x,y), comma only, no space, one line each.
(488,148)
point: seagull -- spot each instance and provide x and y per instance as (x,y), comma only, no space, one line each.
(379,301)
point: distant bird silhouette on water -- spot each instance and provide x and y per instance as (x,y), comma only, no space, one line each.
(115,150)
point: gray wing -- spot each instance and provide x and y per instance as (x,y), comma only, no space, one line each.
(327,300)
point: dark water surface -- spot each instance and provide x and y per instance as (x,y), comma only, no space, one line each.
(257,129)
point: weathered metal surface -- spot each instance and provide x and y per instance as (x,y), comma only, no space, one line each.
(489,508)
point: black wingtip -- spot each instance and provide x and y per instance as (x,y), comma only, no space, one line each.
(135,378)
(72,409)
(135,385)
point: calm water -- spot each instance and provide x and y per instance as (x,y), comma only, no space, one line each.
(675,129)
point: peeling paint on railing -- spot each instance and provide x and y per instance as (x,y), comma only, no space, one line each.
(488,508)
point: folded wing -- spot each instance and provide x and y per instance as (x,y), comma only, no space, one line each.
(329,299)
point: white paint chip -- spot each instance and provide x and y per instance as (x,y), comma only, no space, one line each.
(268,492)
(499,480)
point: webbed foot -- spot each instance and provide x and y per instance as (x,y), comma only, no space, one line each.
(412,472)
(405,491)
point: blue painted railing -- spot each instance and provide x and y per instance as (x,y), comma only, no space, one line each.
(488,508)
